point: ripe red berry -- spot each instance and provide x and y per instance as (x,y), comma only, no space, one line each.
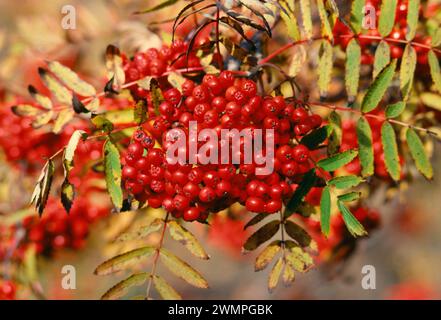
(255,204)
(191,214)
(300,153)
(129,172)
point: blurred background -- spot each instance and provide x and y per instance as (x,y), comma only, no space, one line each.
(405,250)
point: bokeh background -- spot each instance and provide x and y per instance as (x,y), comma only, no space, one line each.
(405,251)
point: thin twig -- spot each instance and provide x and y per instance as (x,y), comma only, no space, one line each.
(156,259)
(374,116)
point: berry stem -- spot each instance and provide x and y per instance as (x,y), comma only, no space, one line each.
(156,259)
(219,57)
(367,37)
(381,118)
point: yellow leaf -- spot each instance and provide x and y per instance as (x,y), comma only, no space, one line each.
(274,275)
(185,237)
(182,270)
(164,289)
(267,255)
(71,79)
(121,288)
(123,261)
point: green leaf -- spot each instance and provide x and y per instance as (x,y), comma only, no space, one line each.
(395,110)
(60,93)
(418,153)
(274,275)
(112,169)
(179,233)
(309,180)
(124,261)
(382,58)
(164,289)
(158,6)
(413,9)
(262,235)
(140,112)
(267,255)
(435,70)
(345,182)
(141,232)
(387,17)
(349,197)
(71,79)
(156,95)
(121,288)
(353,62)
(290,21)
(353,225)
(357,15)
(326,25)
(365,146)
(325,211)
(297,233)
(378,88)
(102,123)
(305,8)
(390,148)
(314,139)
(325,67)
(337,161)
(407,70)
(182,270)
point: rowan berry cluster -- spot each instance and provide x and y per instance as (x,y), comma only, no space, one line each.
(56,230)
(7,290)
(156,62)
(218,102)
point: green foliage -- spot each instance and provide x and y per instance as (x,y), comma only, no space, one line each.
(365,145)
